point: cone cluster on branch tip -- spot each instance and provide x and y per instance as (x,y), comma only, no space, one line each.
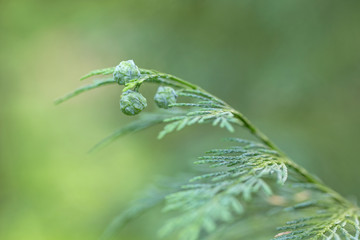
(131,101)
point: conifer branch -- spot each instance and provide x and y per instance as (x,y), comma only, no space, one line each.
(237,177)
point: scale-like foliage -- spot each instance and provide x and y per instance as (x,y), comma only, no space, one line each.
(242,183)
(328,220)
(206,109)
(215,197)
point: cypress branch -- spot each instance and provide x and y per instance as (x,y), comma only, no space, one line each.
(240,182)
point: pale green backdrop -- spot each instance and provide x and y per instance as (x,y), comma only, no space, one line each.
(293,67)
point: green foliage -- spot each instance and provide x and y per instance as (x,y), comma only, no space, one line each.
(239,184)
(95,84)
(215,197)
(105,71)
(330,221)
(145,121)
(205,109)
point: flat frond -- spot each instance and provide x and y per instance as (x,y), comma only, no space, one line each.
(205,110)
(331,222)
(218,197)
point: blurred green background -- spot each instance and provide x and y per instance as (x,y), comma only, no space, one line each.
(293,67)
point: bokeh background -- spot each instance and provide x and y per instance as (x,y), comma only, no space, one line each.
(292,67)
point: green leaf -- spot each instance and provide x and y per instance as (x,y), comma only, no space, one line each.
(145,121)
(95,84)
(104,71)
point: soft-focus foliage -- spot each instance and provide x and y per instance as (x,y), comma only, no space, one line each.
(292,66)
(216,201)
